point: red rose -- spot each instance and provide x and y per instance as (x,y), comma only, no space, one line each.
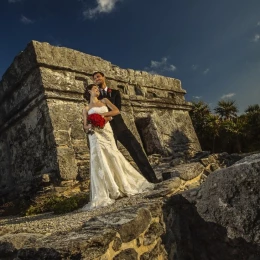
(96,120)
(109,90)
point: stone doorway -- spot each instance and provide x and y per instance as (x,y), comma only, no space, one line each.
(149,136)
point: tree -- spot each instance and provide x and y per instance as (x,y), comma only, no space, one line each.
(226,109)
(253,109)
(225,131)
(200,111)
(235,129)
(198,114)
(253,127)
(213,128)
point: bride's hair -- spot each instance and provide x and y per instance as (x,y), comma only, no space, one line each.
(86,94)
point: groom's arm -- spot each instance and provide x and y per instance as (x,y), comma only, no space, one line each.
(117,100)
(108,118)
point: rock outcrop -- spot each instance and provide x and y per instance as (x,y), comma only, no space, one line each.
(231,198)
(42,143)
(217,220)
(220,219)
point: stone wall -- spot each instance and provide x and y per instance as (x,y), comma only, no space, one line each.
(41,101)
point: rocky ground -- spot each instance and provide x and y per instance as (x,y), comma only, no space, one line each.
(49,223)
(196,213)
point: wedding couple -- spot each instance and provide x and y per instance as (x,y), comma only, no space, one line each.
(111,175)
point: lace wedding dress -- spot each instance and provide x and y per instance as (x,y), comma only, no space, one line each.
(111,175)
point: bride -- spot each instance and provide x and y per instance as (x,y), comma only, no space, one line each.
(111,175)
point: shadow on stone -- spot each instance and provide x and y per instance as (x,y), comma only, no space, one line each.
(190,237)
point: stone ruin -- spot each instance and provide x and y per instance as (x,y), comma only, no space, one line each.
(192,214)
(41,102)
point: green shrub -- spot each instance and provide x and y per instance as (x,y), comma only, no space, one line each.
(58,205)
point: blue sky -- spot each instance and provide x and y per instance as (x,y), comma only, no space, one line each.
(212,46)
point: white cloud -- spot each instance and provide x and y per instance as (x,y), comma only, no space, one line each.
(229,95)
(258,24)
(13,1)
(103,6)
(206,71)
(256,38)
(157,64)
(172,68)
(26,20)
(197,97)
(160,66)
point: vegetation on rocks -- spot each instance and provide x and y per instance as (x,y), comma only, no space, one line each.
(59,205)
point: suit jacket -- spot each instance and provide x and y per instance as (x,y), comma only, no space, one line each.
(117,123)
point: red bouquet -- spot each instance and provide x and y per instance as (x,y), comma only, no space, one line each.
(96,120)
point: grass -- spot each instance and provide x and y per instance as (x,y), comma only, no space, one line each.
(59,205)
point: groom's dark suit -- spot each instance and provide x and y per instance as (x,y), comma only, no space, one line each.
(127,139)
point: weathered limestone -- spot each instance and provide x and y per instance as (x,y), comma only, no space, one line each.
(233,194)
(40,116)
(131,233)
(218,220)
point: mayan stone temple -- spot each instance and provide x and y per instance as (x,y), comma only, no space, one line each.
(41,102)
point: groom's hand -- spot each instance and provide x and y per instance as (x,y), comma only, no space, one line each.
(108,118)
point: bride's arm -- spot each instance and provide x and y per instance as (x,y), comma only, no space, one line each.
(86,126)
(114,110)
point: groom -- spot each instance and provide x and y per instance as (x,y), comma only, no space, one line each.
(121,132)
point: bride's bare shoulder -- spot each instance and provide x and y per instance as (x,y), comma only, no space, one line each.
(85,109)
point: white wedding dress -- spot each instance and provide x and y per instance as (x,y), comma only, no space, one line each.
(111,175)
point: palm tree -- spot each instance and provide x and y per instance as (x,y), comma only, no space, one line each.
(226,109)
(200,111)
(213,128)
(253,115)
(253,109)
(198,114)
(200,108)
(253,126)
(235,129)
